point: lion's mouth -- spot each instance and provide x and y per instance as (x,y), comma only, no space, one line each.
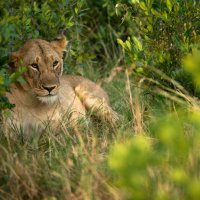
(48,99)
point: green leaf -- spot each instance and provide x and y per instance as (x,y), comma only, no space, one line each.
(121,43)
(134,1)
(169,4)
(4,59)
(1,80)
(138,44)
(76,10)
(156,13)
(17,75)
(143,6)
(128,44)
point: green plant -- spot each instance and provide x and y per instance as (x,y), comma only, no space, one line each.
(153,152)
(161,33)
(163,166)
(164,163)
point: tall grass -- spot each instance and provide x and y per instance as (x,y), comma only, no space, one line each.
(153,152)
(67,164)
(73,163)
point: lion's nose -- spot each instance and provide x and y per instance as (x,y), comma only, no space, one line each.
(49,88)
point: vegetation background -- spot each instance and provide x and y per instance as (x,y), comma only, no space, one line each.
(146,55)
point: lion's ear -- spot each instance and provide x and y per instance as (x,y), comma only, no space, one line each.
(60,42)
(14,59)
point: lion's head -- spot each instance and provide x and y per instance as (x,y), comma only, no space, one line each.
(44,63)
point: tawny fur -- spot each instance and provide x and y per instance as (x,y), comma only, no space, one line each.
(35,106)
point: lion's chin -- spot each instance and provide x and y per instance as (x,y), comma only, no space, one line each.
(48,99)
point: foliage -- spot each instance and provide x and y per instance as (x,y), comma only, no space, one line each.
(191,63)
(5,82)
(161,34)
(154,41)
(57,165)
(162,167)
(163,163)
(90,31)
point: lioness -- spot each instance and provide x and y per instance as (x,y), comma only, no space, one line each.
(47,95)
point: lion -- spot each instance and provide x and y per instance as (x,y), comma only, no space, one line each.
(47,95)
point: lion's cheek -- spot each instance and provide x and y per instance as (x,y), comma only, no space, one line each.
(30,79)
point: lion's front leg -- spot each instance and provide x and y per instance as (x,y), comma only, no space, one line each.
(98,106)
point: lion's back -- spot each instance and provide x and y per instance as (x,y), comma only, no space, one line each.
(87,85)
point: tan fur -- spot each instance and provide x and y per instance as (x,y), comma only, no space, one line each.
(47,96)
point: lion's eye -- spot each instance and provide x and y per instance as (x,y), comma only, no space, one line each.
(35,66)
(55,63)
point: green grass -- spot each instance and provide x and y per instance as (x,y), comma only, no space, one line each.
(69,164)
(153,152)
(63,165)
(73,164)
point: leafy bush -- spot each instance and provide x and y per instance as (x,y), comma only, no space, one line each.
(162,167)
(149,36)
(5,82)
(191,63)
(162,163)
(161,33)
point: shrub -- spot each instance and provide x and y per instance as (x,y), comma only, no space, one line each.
(162,163)
(162,167)
(161,33)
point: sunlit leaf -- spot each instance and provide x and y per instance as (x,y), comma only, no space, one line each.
(169,4)
(134,1)
(121,42)
(138,44)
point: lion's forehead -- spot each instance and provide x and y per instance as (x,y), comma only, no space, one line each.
(41,53)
